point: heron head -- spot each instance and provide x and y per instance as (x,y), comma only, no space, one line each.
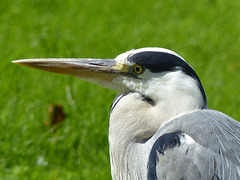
(153,71)
(145,70)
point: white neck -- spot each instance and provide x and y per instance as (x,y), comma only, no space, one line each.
(133,121)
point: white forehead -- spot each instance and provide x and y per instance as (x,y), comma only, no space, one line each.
(122,58)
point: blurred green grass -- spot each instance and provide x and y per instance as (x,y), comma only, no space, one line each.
(205,33)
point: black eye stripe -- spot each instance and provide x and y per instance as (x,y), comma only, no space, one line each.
(157,61)
(161,61)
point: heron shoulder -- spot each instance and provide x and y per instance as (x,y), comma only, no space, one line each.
(176,156)
(212,140)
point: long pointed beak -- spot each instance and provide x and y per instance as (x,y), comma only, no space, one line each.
(100,69)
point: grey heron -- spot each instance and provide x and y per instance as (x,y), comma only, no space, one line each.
(160,126)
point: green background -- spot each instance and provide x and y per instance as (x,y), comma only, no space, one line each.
(205,33)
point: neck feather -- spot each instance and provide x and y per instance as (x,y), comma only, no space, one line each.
(134,120)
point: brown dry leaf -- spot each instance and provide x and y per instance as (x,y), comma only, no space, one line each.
(55,115)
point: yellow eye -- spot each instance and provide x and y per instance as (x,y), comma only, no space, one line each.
(138,69)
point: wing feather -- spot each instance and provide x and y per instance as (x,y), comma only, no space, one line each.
(208,148)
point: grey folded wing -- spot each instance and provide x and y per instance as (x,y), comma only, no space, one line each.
(201,145)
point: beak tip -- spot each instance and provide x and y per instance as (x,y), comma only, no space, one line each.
(18,61)
(24,61)
(14,61)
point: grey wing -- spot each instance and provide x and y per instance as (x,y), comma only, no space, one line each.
(201,145)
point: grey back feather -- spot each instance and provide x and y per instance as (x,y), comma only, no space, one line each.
(217,145)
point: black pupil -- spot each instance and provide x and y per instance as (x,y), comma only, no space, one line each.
(137,69)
